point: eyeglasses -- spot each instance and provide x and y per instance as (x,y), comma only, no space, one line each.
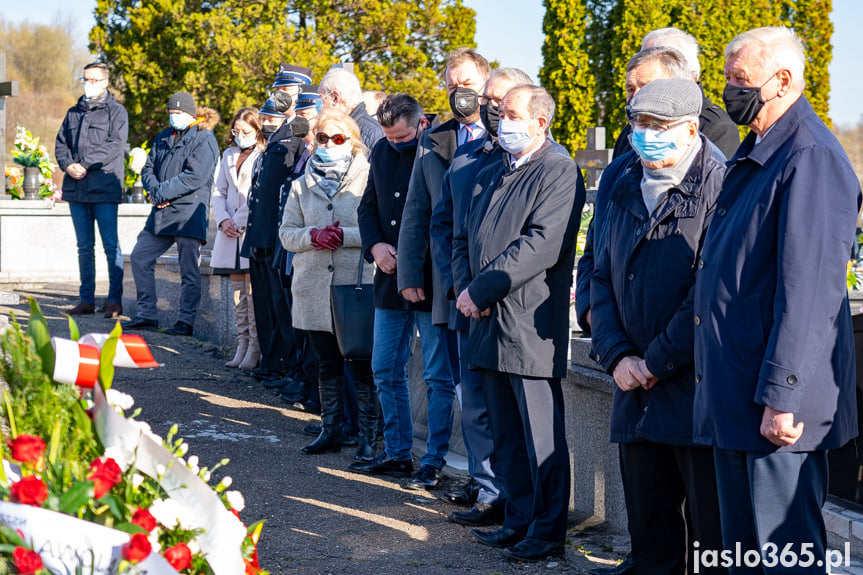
(238,133)
(338,139)
(640,126)
(92,80)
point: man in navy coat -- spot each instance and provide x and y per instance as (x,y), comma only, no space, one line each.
(774,349)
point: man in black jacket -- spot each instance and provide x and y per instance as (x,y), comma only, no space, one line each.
(178,177)
(89,148)
(274,168)
(512,268)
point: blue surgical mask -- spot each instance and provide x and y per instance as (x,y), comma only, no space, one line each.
(180,121)
(333,153)
(246,142)
(653,145)
(513,136)
(402,146)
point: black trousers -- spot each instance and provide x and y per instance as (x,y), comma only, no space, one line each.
(530,454)
(331,363)
(272,313)
(671,503)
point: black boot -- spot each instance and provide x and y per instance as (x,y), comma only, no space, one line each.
(367,416)
(332,408)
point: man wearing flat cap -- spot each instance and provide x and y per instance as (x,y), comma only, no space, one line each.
(273,169)
(661,200)
(178,177)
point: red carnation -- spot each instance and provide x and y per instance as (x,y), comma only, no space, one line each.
(105,475)
(144,519)
(27,561)
(30,491)
(137,549)
(27,448)
(179,556)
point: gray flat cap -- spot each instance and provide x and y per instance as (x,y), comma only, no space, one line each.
(666,99)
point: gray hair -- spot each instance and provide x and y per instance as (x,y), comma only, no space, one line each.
(514,76)
(681,41)
(345,83)
(778,48)
(670,60)
(540,103)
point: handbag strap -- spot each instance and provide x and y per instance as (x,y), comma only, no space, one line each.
(359,285)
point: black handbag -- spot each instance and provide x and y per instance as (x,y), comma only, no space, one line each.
(354,317)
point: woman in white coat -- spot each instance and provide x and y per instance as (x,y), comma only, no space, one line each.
(320,226)
(231,211)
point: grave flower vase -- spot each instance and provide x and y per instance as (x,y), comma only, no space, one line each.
(30,185)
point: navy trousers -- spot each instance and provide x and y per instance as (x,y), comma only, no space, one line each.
(272,310)
(530,453)
(773,499)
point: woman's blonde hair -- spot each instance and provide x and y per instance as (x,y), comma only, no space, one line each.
(345,124)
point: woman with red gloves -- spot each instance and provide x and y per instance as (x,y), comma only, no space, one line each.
(320,227)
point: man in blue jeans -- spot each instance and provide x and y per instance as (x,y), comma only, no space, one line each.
(380,215)
(89,149)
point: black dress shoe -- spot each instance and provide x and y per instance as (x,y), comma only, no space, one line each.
(263,374)
(532,549)
(273,384)
(312,430)
(140,323)
(290,397)
(428,477)
(500,538)
(465,496)
(179,328)
(383,464)
(313,406)
(325,443)
(480,515)
(623,568)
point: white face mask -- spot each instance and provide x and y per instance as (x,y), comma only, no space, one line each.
(513,135)
(245,142)
(180,121)
(92,91)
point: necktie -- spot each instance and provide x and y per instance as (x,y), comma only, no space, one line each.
(468,133)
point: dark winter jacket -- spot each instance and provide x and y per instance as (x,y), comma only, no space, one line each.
(178,177)
(514,254)
(94,137)
(370,129)
(643,276)
(772,321)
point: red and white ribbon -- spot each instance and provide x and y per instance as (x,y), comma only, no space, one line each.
(132,350)
(77,362)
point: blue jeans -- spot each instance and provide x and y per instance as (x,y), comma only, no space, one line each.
(393,330)
(84,216)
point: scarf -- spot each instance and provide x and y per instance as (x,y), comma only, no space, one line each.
(328,175)
(656,183)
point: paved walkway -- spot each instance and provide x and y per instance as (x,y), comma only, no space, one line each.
(320,518)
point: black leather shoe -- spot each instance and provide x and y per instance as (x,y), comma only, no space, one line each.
(532,549)
(500,538)
(428,477)
(351,440)
(314,407)
(140,323)
(263,374)
(312,430)
(465,496)
(179,328)
(273,384)
(325,443)
(623,568)
(480,515)
(383,464)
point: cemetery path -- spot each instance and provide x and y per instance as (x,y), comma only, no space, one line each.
(320,518)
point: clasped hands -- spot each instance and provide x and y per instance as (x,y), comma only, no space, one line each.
(328,238)
(465,305)
(76,171)
(631,372)
(229,228)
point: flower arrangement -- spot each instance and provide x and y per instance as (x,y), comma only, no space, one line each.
(29,153)
(135,161)
(90,489)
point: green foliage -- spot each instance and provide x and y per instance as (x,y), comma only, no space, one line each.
(609,32)
(566,72)
(226,52)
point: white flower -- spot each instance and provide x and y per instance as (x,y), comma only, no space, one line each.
(119,399)
(226,482)
(236,500)
(137,480)
(160,470)
(170,514)
(194,547)
(183,450)
(154,541)
(205,476)
(124,458)
(137,159)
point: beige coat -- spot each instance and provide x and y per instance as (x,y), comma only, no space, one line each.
(315,271)
(230,195)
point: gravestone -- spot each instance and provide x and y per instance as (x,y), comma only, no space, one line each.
(593,160)
(7,90)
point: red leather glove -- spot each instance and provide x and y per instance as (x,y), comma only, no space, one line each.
(316,238)
(328,239)
(339,232)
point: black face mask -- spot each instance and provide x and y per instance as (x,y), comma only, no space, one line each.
(282,101)
(490,116)
(743,104)
(268,130)
(299,127)
(464,102)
